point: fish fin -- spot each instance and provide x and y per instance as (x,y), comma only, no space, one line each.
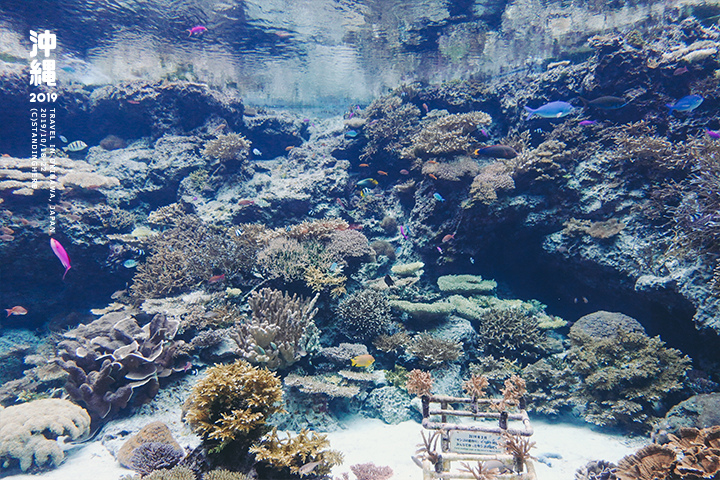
(65,149)
(66,270)
(530,112)
(670,106)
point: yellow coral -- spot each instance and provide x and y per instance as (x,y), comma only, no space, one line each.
(294,453)
(233,402)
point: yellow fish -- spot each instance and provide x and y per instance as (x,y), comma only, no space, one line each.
(362,360)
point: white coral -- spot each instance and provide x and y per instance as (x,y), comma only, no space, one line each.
(31,431)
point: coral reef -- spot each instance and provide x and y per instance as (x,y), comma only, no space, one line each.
(493,178)
(465,284)
(297,453)
(365,314)
(433,351)
(446,135)
(390,123)
(30,432)
(281,330)
(152,456)
(453,171)
(511,332)
(156,433)
(232,404)
(348,246)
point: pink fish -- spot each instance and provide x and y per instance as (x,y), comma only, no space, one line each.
(16,310)
(587,122)
(440,250)
(712,133)
(197,29)
(402,232)
(61,254)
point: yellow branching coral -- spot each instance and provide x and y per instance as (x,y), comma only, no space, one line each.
(232,403)
(302,454)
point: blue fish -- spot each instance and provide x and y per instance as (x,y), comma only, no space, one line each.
(438,197)
(686,104)
(367,183)
(551,110)
(351,133)
(256,152)
(129,264)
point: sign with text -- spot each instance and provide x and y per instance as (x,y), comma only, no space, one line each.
(478,443)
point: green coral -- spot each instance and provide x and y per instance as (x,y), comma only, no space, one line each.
(424,311)
(465,284)
(294,452)
(232,404)
(29,432)
(624,376)
(398,376)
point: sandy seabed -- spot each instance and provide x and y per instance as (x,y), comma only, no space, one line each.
(370,440)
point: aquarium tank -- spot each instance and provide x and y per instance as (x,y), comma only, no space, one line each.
(360,239)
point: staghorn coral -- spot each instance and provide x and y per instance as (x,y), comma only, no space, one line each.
(433,351)
(284,258)
(364,314)
(491,179)
(513,391)
(480,471)
(547,162)
(30,432)
(320,281)
(446,136)
(511,332)
(232,403)
(475,386)
(419,383)
(550,386)
(295,452)
(232,146)
(624,376)
(519,447)
(281,330)
(370,471)
(392,343)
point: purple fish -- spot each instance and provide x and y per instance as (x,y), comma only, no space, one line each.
(196,29)
(61,254)
(403,232)
(439,250)
(712,133)
(587,122)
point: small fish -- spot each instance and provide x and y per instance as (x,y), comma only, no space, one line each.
(75,146)
(367,183)
(7,230)
(363,165)
(484,132)
(404,231)
(246,201)
(398,251)
(130,263)
(133,102)
(472,260)
(438,197)
(551,110)
(365,192)
(381,172)
(287,149)
(447,238)
(198,29)
(67,69)
(216,278)
(561,63)
(712,133)
(188,366)
(389,281)
(680,71)
(404,172)
(6,238)
(439,250)
(431,162)
(362,360)
(351,134)
(425,107)
(256,152)
(61,254)
(585,123)
(497,151)
(16,310)
(355,226)
(333,267)
(63,139)
(432,176)
(308,468)
(605,103)
(686,104)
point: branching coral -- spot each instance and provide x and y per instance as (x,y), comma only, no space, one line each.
(447,135)
(281,330)
(370,471)
(349,245)
(232,146)
(30,432)
(475,386)
(302,454)
(492,179)
(390,123)
(284,258)
(624,376)
(365,314)
(519,447)
(480,471)
(511,332)
(433,351)
(419,383)
(453,171)
(232,404)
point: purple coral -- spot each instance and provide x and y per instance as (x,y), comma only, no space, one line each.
(370,471)
(152,456)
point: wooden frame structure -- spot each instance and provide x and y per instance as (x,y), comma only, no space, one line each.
(489,418)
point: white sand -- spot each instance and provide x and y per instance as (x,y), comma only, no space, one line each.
(371,440)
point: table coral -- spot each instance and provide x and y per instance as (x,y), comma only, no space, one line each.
(30,432)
